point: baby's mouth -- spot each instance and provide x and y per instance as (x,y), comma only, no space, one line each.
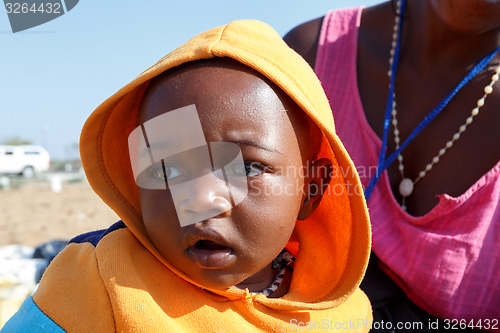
(208,245)
(209,254)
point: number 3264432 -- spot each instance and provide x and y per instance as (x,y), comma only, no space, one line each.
(25,8)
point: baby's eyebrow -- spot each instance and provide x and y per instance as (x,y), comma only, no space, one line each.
(255,144)
(166,148)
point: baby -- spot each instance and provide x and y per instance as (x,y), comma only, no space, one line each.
(237,212)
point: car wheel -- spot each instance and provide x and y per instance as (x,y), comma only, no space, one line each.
(28,172)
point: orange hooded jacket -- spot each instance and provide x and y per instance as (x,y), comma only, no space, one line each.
(117,280)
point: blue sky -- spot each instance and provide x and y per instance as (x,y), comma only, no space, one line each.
(54,75)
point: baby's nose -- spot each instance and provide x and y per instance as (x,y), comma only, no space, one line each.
(201,198)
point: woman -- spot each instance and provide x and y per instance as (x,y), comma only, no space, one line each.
(435,210)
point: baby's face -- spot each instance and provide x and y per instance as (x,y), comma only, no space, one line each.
(239,106)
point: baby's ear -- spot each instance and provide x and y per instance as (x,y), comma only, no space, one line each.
(315,185)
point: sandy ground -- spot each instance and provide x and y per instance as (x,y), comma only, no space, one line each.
(33,214)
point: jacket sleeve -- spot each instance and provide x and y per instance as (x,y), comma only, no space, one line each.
(72,294)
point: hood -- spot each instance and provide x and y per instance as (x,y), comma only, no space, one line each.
(331,247)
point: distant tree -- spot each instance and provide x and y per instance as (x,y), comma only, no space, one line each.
(16,141)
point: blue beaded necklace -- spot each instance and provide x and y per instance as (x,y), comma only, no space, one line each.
(384,163)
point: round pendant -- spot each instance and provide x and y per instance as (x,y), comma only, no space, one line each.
(406,187)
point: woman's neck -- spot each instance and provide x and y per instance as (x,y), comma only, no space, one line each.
(432,43)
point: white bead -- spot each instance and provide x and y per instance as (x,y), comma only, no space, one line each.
(394,43)
(497,70)
(396,139)
(428,167)
(462,128)
(442,151)
(401,167)
(389,73)
(480,102)
(406,187)
(421,174)
(469,120)
(394,112)
(488,90)
(400,158)
(456,136)
(494,78)
(396,132)
(475,111)
(449,144)
(435,159)
(395,122)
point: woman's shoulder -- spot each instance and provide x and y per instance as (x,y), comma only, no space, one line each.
(304,39)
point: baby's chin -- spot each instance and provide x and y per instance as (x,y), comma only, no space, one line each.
(230,278)
(220,280)
(234,276)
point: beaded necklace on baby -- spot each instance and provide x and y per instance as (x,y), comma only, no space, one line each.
(279,264)
(406,186)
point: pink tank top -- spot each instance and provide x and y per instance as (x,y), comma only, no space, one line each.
(447,261)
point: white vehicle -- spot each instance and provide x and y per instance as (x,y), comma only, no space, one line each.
(25,160)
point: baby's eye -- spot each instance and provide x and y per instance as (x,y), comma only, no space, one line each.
(172,172)
(248,169)
(156,172)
